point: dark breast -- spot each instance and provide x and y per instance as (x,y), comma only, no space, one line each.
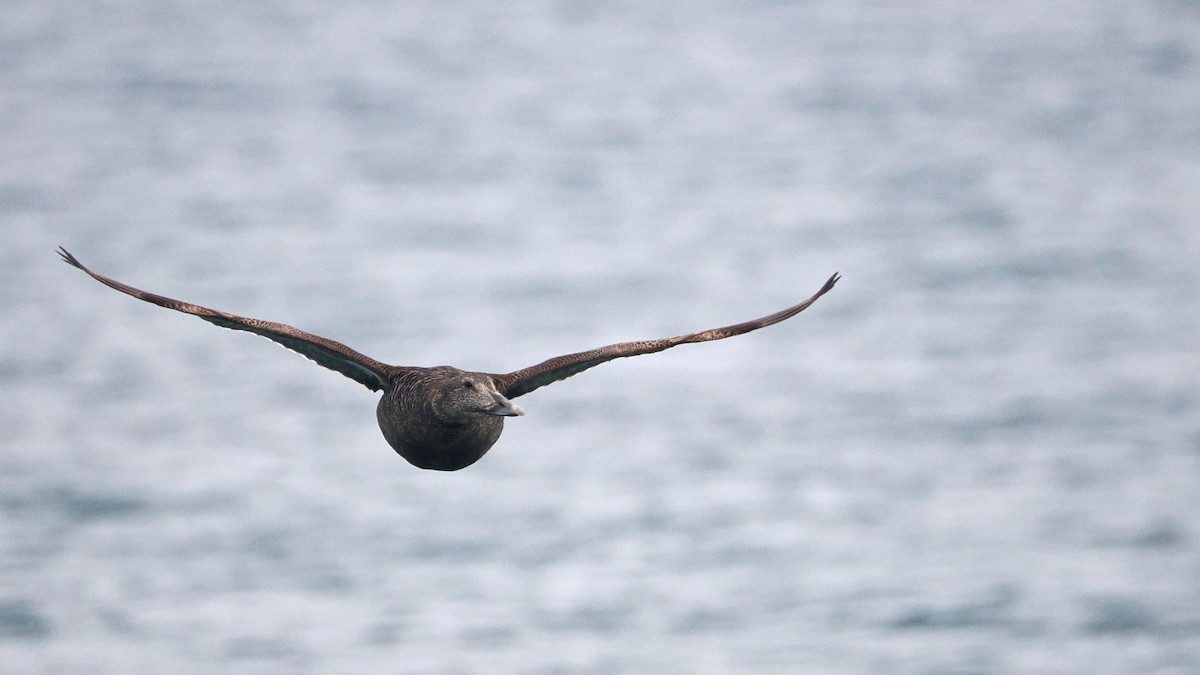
(410,425)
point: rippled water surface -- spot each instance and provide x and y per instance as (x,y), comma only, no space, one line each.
(979,454)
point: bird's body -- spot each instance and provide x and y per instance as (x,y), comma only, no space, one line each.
(442,418)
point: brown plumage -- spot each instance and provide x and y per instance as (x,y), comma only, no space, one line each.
(442,418)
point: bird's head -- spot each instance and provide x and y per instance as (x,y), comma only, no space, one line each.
(462,396)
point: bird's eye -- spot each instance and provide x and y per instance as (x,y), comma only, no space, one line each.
(468,384)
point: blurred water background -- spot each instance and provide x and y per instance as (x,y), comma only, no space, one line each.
(979,454)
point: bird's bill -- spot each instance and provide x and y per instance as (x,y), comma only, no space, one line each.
(503,407)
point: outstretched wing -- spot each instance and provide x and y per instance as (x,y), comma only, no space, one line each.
(332,355)
(523,381)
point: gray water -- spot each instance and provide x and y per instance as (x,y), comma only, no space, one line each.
(979,454)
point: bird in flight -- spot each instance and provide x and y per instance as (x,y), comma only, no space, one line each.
(442,418)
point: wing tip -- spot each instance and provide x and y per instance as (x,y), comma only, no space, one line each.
(69,259)
(837,276)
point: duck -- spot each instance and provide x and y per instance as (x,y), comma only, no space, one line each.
(442,418)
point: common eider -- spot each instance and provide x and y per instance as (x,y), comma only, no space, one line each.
(442,418)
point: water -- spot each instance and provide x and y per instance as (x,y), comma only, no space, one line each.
(979,454)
